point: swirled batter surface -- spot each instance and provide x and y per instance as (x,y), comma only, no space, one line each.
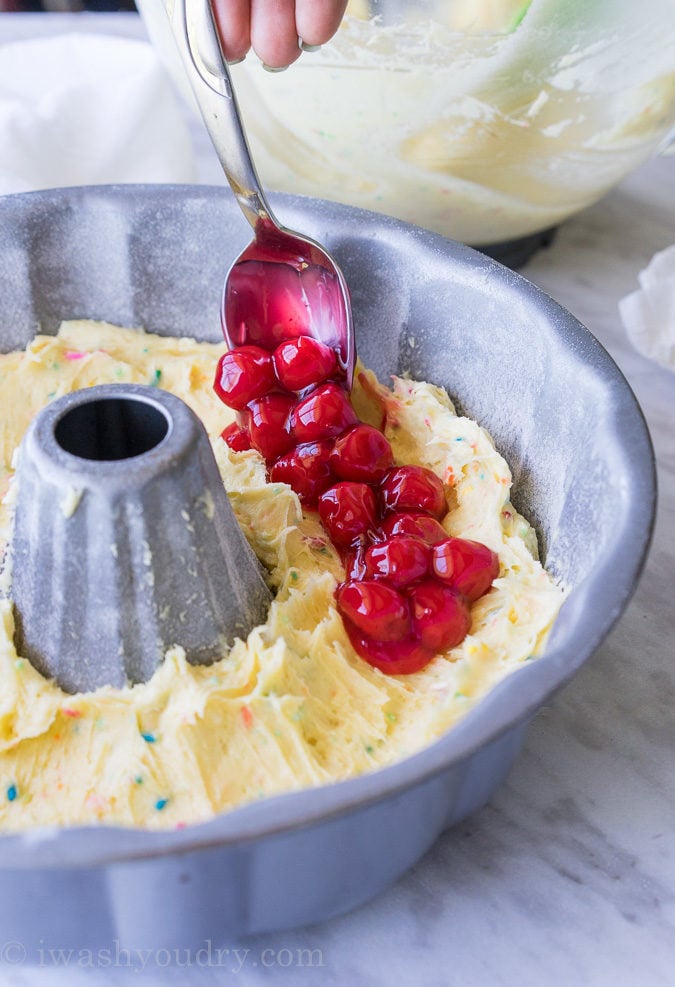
(293,705)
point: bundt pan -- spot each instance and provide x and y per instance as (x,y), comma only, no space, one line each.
(559,411)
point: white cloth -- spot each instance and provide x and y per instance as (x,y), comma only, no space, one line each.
(648,314)
(84,109)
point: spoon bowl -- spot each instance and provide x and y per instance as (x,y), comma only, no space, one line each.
(283,284)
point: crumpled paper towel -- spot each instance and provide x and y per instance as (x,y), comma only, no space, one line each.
(649,313)
(84,109)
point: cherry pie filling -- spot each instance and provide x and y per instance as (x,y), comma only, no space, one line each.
(409,585)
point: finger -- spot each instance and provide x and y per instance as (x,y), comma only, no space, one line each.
(233,20)
(274,36)
(317,22)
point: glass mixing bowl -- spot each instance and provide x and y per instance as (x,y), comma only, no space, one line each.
(484,120)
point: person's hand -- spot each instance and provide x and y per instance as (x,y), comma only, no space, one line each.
(274,28)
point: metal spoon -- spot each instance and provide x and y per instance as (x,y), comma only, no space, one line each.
(283,284)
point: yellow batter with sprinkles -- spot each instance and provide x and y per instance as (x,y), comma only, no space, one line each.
(294,705)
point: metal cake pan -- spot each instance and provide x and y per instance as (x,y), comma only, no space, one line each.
(558,409)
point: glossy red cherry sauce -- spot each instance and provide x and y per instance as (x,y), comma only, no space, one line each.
(409,585)
(268,303)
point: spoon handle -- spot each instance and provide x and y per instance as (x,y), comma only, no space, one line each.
(195,33)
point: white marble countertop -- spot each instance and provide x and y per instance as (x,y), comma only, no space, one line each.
(568,876)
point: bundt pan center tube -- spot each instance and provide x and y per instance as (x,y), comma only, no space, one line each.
(125,543)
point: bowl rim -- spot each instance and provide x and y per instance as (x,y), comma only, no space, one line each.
(504,707)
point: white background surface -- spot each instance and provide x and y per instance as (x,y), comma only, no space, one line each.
(568,877)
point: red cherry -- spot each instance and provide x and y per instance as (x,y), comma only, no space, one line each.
(306,469)
(441,618)
(420,525)
(236,437)
(362,453)
(401,560)
(413,488)
(375,609)
(324,413)
(348,511)
(242,375)
(468,566)
(300,362)
(268,424)
(391,657)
